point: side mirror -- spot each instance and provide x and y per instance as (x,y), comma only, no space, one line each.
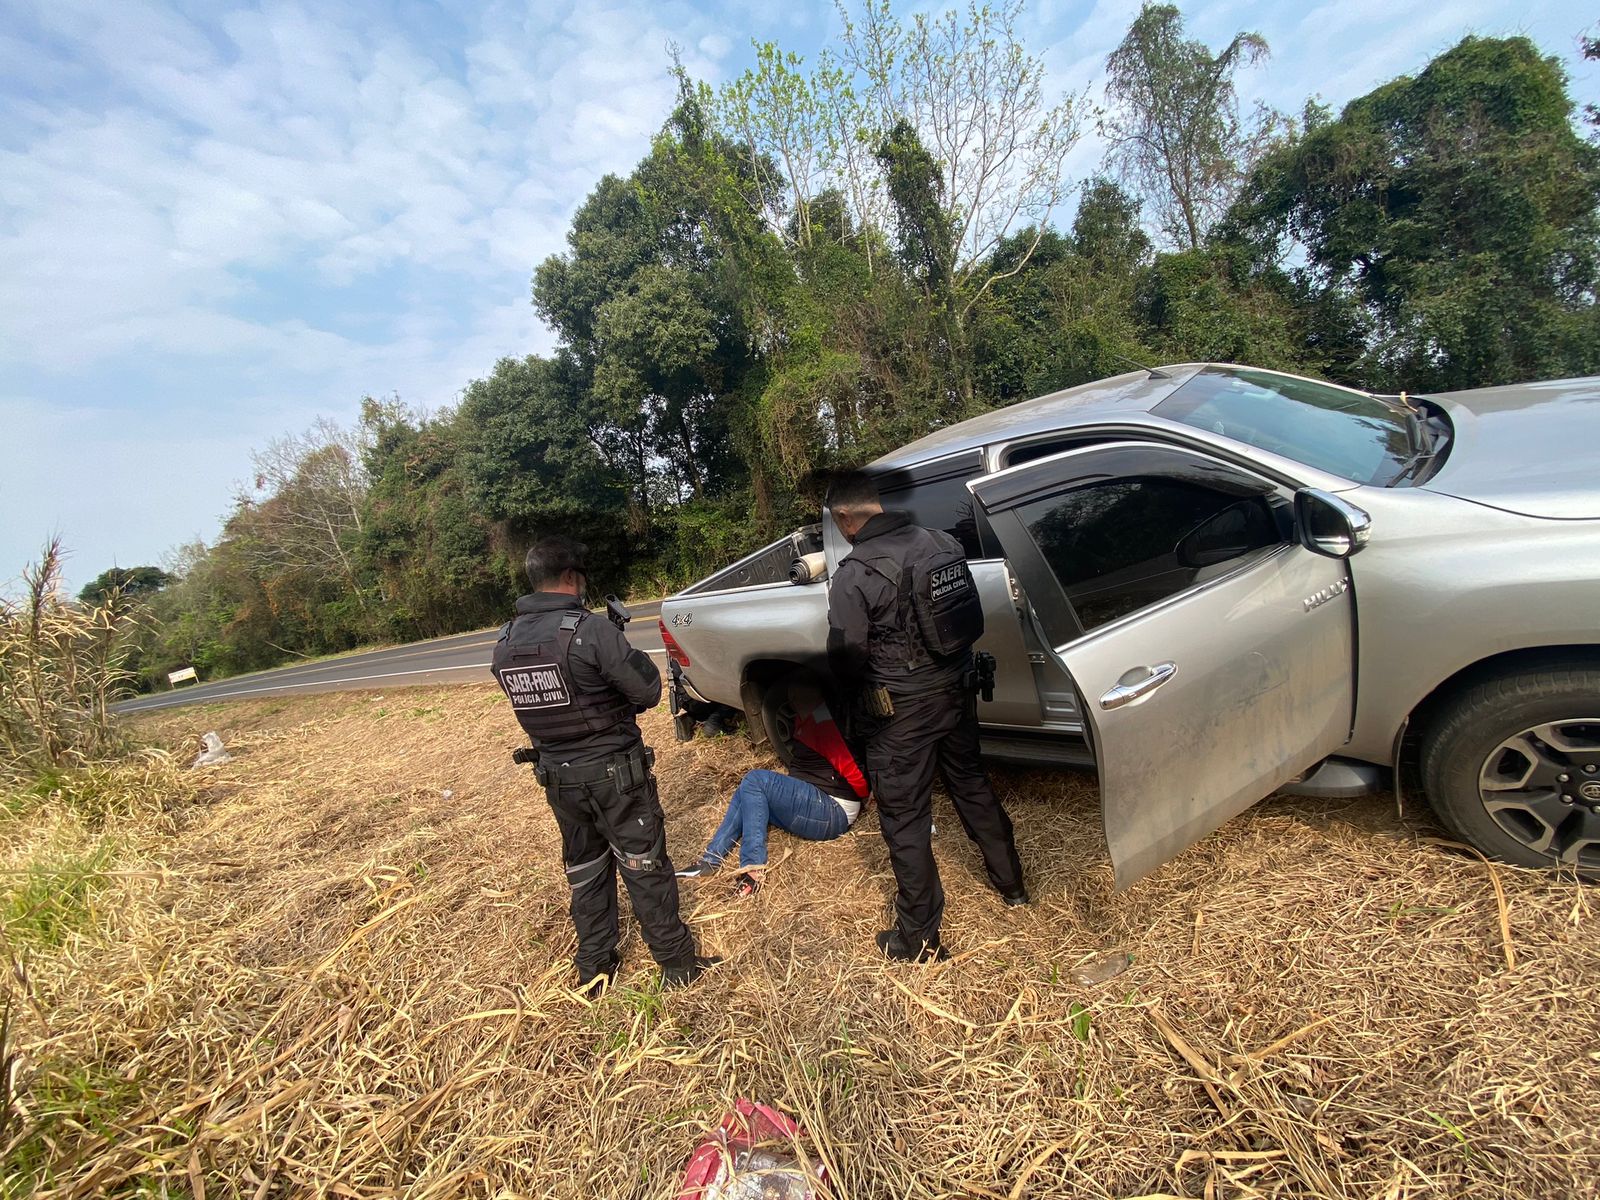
(1328,525)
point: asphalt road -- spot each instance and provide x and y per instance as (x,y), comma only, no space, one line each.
(463,658)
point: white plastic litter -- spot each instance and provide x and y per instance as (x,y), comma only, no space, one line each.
(214,751)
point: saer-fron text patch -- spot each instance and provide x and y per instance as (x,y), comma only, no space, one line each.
(540,686)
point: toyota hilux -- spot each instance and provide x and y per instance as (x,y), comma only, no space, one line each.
(1216,582)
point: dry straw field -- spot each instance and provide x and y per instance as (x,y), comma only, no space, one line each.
(337,966)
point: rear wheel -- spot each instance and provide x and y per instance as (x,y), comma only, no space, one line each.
(777,714)
(1512,766)
(778,704)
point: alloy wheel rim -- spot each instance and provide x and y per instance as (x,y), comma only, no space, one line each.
(1542,787)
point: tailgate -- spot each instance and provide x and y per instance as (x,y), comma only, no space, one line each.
(720,634)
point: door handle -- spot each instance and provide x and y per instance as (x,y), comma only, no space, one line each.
(1127,693)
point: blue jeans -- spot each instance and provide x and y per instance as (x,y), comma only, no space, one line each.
(769,798)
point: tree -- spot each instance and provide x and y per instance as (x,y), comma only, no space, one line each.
(1590,48)
(1174,126)
(975,98)
(437,559)
(782,134)
(536,455)
(129,583)
(1068,317)
(311,514)
(1456,211)
(652,320)
(1219,304)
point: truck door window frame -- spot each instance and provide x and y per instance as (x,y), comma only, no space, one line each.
(1133,460)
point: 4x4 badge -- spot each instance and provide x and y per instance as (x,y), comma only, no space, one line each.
(1317,599)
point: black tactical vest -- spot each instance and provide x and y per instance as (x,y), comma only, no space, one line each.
(533,668)
(897,653)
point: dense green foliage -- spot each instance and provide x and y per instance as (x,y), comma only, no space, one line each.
(127,583)
(1455,214)
(809,269)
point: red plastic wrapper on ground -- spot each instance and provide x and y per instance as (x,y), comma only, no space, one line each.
(751,1155)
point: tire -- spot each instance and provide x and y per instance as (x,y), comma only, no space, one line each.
(1506,766)
(777,716)
(777,710)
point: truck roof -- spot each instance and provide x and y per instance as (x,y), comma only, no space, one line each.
(1121,395)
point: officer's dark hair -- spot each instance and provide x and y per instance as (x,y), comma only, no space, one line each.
(853,491)
(552,557)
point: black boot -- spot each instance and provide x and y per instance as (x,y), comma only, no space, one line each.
(896,947)
(598,980)
(1017,896)
(679,974)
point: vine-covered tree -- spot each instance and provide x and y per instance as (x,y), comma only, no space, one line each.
(1174,125)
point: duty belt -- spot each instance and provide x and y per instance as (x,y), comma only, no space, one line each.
(628,771)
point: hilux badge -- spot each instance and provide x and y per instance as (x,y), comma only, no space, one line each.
(1317,599)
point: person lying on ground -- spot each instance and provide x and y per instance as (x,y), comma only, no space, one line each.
(819,798)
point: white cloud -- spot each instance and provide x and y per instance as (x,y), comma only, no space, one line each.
(202,173)
(304,142)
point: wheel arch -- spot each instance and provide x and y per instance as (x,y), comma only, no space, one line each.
(1509,662)
(756,681)
(756,688)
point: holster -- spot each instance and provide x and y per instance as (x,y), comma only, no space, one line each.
(633,770)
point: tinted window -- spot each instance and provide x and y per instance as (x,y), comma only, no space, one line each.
(1033,451)
(1117,545)
(942,504)
(1349,434)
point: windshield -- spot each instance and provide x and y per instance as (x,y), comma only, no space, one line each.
(1350,434)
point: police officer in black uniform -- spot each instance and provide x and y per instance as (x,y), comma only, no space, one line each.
(918,711)
(576,685)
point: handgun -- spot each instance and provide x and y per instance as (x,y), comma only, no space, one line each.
(984,662)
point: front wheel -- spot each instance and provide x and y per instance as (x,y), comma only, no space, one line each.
(1512,766)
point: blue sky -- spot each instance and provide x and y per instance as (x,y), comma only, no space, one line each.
(218,223)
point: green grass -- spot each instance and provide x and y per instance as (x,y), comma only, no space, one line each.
(1080,1021)
(65,1102)
(60,1099)
(48,898)
(140,782)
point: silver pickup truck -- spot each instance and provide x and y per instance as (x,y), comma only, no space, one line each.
(1215,583)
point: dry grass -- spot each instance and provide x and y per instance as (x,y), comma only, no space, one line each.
(61,665)
(321,975)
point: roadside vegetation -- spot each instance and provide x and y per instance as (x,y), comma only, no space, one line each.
(823,260)
(339,965)
(61,666)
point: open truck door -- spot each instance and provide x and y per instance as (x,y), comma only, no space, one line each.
(1205,616)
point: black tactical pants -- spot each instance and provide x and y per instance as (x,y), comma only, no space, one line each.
(610,818)
(939,729)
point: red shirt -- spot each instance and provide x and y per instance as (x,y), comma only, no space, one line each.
(822,757)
